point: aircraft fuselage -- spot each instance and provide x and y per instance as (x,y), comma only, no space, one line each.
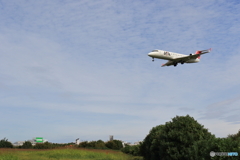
(161,54)
(175,58)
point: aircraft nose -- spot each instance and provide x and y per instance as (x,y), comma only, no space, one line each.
(150,54)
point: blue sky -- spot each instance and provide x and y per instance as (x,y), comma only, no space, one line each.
(79,69)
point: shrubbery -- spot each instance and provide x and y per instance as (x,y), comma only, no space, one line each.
(4,143)
(185,138)
(133,150)
(100,145)
(45,145)
(115,144)
(27,145)
(235,137)
(93,144)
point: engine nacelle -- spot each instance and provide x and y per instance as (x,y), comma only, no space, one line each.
(190,54)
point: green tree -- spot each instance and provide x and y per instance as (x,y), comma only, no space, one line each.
(83,144)
(235,137)
(45,145)
(133,150)
(4,143)
(177,139)
(100,145)
(93,144)
(115,144)
(27,145)
(226,145)
(149,148)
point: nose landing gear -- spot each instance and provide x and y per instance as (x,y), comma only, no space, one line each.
(153,59)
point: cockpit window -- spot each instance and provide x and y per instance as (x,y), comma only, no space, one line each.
(155,51)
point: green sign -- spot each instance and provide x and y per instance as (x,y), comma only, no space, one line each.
(39,139)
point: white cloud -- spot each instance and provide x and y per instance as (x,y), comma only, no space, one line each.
(91,58)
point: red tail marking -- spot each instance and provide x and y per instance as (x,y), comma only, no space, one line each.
(198,52)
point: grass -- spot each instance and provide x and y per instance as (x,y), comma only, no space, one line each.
(64,154)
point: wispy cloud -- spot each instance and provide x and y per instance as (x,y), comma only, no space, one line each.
(71,65)
(226,110)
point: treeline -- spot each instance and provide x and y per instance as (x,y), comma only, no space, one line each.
(4,143)
(181,138)
(114,144)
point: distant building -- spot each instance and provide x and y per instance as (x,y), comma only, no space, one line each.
(137,143)
(130,144)
(18,143)
(77,141)
(111,138)
(33,141)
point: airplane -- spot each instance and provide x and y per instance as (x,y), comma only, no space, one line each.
(175,58)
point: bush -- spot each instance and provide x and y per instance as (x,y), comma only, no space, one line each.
(45,145)
(83,144)
(4,143)
(133,150)
(149,148)
(100,145)
(27,145)
(181,138)
(93,144)
(235,137)
(114,144)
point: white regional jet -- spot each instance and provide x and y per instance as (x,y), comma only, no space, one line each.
(175,58)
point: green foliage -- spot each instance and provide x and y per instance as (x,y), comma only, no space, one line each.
(133,150)
(93,144)
(179,136)
(185,138)
(149,148)
(83,144)
(235,137)
(176,140)
(45,145)
(226,145)
(4,143)
(27,145)
(100,145)
(114,144)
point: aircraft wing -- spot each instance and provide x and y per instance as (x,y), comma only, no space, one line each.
(191,56)
(186,58)
(169,63)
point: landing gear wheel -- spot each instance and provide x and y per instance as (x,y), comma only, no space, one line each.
(175,64)
(153,59)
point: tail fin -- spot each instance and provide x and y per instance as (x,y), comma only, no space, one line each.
(198,52)
(203,52)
